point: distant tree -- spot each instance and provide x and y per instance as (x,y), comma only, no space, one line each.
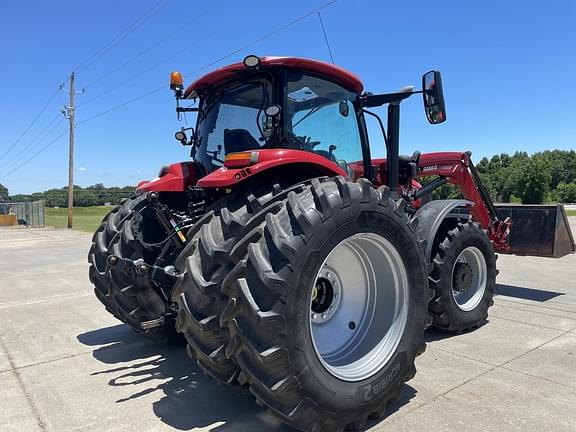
(532,180)
(566,192)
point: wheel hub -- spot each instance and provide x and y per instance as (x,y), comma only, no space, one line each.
(469,278)
(326,295)
(463,275)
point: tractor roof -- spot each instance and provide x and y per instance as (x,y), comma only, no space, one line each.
(334,72)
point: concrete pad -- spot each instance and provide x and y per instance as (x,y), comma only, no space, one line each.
(555,361)
(45,330)
(532,316)
(500,400)
(561,310)
(24,252)
(497,342)
(84,371)
(440,371)
(139,386)
(16,414)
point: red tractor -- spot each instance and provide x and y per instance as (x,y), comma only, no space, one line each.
(295,264)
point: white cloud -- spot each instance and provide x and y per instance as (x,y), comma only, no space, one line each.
(138,172)
(82,169)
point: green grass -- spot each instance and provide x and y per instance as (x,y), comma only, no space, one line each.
(89,218)
(85,218)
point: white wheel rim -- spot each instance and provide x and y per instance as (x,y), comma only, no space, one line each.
(359,306)
(469,293)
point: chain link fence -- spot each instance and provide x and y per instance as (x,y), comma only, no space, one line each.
(29,214)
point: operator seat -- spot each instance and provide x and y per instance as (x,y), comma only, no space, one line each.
(238,140)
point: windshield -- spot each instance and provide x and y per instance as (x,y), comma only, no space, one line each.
(232,120)
(322,119)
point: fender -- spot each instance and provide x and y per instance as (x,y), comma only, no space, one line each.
(267,161)
(430,217)
(173,178)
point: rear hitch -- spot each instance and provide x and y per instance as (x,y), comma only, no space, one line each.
(164,276)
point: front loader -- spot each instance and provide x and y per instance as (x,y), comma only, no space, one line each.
(295,264)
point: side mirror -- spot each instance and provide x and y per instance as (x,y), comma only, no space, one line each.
(433,97)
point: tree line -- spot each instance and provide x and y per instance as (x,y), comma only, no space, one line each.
(95,195)
(547,176)
(544,177)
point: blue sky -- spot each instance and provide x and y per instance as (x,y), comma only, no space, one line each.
(508,71)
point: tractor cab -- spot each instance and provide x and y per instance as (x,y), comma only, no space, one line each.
(277,103)
(296,112)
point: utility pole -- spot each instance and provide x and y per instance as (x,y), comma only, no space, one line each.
(69,114)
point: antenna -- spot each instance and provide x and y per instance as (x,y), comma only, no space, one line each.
(325,37)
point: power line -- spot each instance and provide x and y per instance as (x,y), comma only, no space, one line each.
(142,72)
(141,53)
(121,36)
(264,37)
(114,108)
(230,54)
(36,154)
(31,123)
(41,136)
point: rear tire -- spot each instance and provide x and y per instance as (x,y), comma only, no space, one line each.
(129,297)
(202,266)
(463,279)
(271,330)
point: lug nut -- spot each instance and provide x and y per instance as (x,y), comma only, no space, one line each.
(143,268)
(324,316)
(314,316)
(112,260)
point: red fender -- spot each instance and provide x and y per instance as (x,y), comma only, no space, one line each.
(173,178)
(267,160)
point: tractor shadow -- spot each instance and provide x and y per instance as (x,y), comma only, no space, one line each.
(185,398)
(526,293)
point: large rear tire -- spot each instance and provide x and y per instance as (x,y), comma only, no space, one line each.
(301,273)
(463,279)
(202,266)
(126,295)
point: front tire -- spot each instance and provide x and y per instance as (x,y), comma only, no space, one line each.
(463,279)
(275,305)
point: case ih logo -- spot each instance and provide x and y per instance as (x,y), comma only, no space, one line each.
(430,168)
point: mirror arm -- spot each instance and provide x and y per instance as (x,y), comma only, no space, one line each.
(370,101)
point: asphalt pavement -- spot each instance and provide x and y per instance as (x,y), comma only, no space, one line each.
(67,365)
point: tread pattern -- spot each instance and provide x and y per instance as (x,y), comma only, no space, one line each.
(203,265)
(445,314)
(130,298)
(255,313)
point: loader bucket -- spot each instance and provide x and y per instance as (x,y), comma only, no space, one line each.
(538,230)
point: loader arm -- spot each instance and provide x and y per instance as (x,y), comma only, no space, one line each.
(515,229)
(457,168)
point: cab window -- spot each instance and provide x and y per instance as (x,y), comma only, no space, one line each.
(322,119)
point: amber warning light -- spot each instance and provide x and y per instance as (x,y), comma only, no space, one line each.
(176,82)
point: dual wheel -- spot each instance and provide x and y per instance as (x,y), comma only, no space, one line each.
(131,231)
(314,297)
